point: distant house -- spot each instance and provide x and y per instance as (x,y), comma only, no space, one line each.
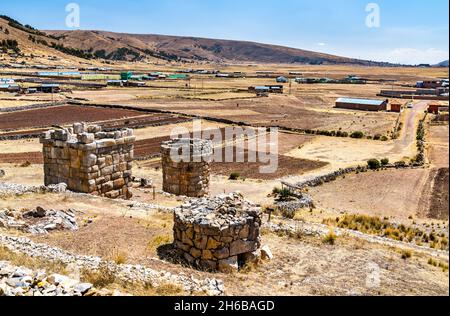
(47,88)
(6,81)
(431,84)
(178,77)
(396,106)
(437,107)
(9,88)
(266,89)
(362,104)
(282,79)
(115,83)
(138,84)
(126,75)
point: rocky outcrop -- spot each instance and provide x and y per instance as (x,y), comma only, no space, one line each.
(220,233)
(124,272)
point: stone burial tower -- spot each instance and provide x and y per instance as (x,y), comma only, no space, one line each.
(188,176)
(218,234)
(89,160)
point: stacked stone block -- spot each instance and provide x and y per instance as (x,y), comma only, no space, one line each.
(218,234)
(89,160)
(190,175)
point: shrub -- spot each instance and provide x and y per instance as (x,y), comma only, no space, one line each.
(330,238)
(282,194)
(406,254)
(358,135)
(377,137)
(400,164)
(234,176)
(384,139)
(384,162)
(99,278)
(374,164)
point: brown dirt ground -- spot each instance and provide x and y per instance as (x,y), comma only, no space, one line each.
(60,116)
(396,193)
(438,205)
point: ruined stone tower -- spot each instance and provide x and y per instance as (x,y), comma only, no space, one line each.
(89,160)
(188,176)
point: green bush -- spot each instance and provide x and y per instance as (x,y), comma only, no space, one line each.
(234,176)
(374,164)
(385,161)
(358,135)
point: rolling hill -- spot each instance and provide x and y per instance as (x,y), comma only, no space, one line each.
(136,47)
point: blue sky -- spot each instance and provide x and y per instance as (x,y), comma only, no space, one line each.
(411,31)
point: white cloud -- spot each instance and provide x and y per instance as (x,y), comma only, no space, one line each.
(321,44)
(410,56)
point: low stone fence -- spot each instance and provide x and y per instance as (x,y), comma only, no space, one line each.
(32,106)
(125,272)
(317,181)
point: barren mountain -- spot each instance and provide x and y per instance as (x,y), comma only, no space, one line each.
(118,45)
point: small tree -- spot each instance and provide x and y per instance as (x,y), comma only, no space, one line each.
(374,164)
(385,161)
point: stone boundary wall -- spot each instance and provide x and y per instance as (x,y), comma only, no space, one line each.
(188,177)
(32,106)
(124,272)
(89,160)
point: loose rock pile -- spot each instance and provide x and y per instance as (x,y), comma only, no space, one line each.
(20,281)
(289,208)
(189,176)
(126,273)
(220,233)
(19,189)
(39,220)
(89,160)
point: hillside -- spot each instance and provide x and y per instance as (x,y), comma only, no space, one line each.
(16,38)
(135,46)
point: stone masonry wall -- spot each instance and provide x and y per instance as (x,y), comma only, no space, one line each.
(188,177)
(218,234)
(89,160)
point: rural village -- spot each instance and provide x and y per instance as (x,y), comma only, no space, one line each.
(93,204)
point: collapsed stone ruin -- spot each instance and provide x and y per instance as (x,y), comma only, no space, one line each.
(89,160)
(218,234)
(190,175)
(38,221)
